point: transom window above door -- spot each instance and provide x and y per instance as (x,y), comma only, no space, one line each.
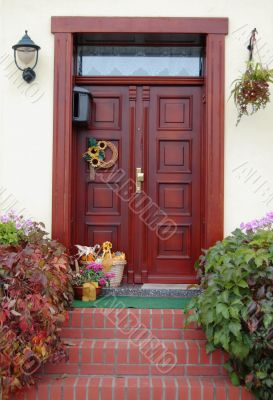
(140,56)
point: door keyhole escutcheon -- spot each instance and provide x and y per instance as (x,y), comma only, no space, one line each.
(139,179)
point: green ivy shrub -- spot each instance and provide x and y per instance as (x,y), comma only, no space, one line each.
(235,307)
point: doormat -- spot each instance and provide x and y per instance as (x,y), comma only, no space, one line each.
(134,302)
(170,286)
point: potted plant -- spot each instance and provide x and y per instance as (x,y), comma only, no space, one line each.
(90,272)
(77,281)
(251,90)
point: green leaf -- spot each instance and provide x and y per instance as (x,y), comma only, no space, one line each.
(208,317)
(210,348)
(235,328)
(242,284)
(234,379)
(239,349)
(268,319)
(225,296)
(234,312)
(228,366)
(222,309)
(191,318)
(249,256)
(92,142)
(261,374)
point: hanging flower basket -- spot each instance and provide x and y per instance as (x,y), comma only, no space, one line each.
(251,90)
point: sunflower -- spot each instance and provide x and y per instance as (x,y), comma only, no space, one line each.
(95,162)
(93,151)
(102,145)
(107,246)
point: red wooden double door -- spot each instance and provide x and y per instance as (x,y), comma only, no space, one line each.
(156,129)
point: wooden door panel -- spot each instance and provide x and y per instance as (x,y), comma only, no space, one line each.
(174,155)
(175,113)
(101,199)
(100,214)
(175,198)
(177,246)
(173,183)
(106,112)
(102,232)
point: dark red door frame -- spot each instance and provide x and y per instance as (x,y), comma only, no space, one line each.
(215,30)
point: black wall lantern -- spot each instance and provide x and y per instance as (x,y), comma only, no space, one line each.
(27,52)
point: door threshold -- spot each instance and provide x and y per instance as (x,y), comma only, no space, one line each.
(153,290)
(168,286)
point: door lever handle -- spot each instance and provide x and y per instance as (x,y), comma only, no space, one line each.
(139,179)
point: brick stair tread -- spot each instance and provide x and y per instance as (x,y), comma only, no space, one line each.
(133,388)
(121,323)
(185,351)
(108,357)
(122,311)
(115,318)
(117,333)
(88,341)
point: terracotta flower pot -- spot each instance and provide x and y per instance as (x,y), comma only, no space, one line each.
(78,292)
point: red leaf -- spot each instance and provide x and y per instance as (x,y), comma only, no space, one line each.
(23,325)
(2,317)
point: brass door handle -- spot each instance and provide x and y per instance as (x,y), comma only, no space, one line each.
(139,179)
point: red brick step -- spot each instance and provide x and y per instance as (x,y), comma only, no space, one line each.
(116,354)
(151,356)
(134,388)
(87,323)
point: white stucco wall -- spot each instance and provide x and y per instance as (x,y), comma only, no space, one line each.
(26,112)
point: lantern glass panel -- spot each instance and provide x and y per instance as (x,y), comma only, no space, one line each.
(26,54)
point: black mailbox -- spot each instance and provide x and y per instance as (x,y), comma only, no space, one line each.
(81,104)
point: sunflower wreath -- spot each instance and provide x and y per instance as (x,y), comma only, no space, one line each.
(95,155)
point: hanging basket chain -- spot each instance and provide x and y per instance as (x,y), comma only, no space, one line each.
(252,42)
